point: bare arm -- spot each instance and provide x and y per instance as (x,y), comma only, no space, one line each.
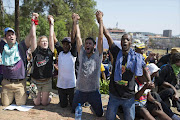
(55,39)
(73,32)
(145,77)
(75,18)
(33,32)
(51,32)
(108,37)
(148,85)
(99,16)
(166,84)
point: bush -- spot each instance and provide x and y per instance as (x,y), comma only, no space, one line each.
(104,87)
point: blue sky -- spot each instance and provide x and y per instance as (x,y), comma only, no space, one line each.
(142,15)
(136,15)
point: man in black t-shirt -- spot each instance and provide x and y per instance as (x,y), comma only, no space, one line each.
(126,65)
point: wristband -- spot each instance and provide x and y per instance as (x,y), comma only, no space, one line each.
(35,21)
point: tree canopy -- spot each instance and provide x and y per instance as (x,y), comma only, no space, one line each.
(61,10)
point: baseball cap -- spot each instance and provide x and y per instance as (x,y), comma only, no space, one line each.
(152,68)
(66,39)
(175,50)
(8,29)
(140,45)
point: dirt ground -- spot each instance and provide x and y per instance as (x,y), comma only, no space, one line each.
(54,112)
(51,112)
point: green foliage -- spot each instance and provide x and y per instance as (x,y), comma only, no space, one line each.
(104,87)
(61,10)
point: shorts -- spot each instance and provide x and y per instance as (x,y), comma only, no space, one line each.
(44,86)
(11,90)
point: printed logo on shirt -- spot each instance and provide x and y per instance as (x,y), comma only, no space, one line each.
(89,67)
(123,69)
(42,62)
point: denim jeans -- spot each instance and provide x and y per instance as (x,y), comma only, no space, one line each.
(93,98)
(127,104)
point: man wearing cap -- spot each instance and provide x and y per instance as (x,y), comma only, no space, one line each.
(87,87)
(14,67)
(66,82)
(127,63)
(140,48)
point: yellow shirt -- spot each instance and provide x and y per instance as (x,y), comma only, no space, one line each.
(102,67)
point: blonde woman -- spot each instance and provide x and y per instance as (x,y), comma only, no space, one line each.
(42,52)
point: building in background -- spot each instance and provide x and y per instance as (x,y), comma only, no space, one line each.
(116,34)
(167,33)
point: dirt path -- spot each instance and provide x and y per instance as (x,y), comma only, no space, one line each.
(51,112)
(54,112)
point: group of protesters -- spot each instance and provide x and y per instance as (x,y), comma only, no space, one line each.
(134,76)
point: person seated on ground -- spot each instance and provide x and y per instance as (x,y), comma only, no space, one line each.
(42,52)
(168,81)
(87,87)
(126,65)
(166,58)
(14,68)
(154,72)
(146,106)
(66,82)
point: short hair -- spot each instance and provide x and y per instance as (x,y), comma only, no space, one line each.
(129,36)
(90,38)
(175,58)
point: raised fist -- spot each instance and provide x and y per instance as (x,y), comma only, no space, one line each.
(35,16)
(99,15)
(50,19)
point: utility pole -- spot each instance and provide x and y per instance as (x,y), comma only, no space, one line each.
(17,19)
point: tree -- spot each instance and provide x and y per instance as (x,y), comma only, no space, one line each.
(62,11)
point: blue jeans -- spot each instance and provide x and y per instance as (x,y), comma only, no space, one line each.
(127,104)
(93,98)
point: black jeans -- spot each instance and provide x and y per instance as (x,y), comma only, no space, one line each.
(168,93)
(165,108)
(65,96)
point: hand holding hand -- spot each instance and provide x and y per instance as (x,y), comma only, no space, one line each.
(99,15)
(149,85)
(35,16)
(50,19)
(75,17)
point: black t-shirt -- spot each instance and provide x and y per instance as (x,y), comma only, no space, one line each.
(164,60)
(42,63)
(121,91)
(166,75)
